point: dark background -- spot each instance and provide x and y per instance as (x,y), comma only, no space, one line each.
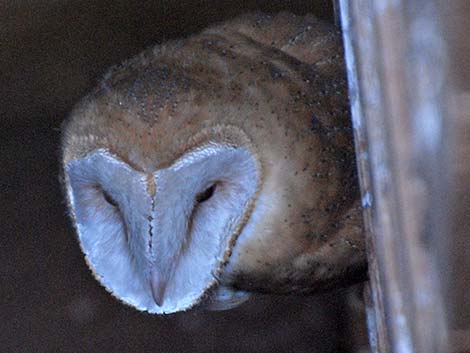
(52,53)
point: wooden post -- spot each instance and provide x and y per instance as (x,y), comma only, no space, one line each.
(397,70)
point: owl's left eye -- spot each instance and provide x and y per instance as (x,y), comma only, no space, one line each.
(206,194)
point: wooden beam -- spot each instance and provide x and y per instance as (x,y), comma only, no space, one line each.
(397,69)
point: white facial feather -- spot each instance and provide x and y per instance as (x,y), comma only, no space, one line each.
(107,234)
(168,241)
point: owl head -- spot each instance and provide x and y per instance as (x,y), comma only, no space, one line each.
(210,167)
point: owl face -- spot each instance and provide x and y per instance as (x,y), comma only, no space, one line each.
(159,240)
(218,165)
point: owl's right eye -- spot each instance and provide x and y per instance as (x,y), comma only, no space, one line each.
(115,210)
(109,199)
(206,194)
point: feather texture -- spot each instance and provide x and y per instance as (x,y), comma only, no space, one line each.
(219,164)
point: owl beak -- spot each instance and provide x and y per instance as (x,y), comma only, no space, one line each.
(158,285)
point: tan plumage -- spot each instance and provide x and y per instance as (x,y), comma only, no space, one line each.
(274,86)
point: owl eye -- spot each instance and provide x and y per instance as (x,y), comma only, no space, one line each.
(206,194)
(109,199)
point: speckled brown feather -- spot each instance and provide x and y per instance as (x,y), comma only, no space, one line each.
(281,80)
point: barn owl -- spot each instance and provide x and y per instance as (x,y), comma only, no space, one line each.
(218,165)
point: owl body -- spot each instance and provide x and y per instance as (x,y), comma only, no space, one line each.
(219,164)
